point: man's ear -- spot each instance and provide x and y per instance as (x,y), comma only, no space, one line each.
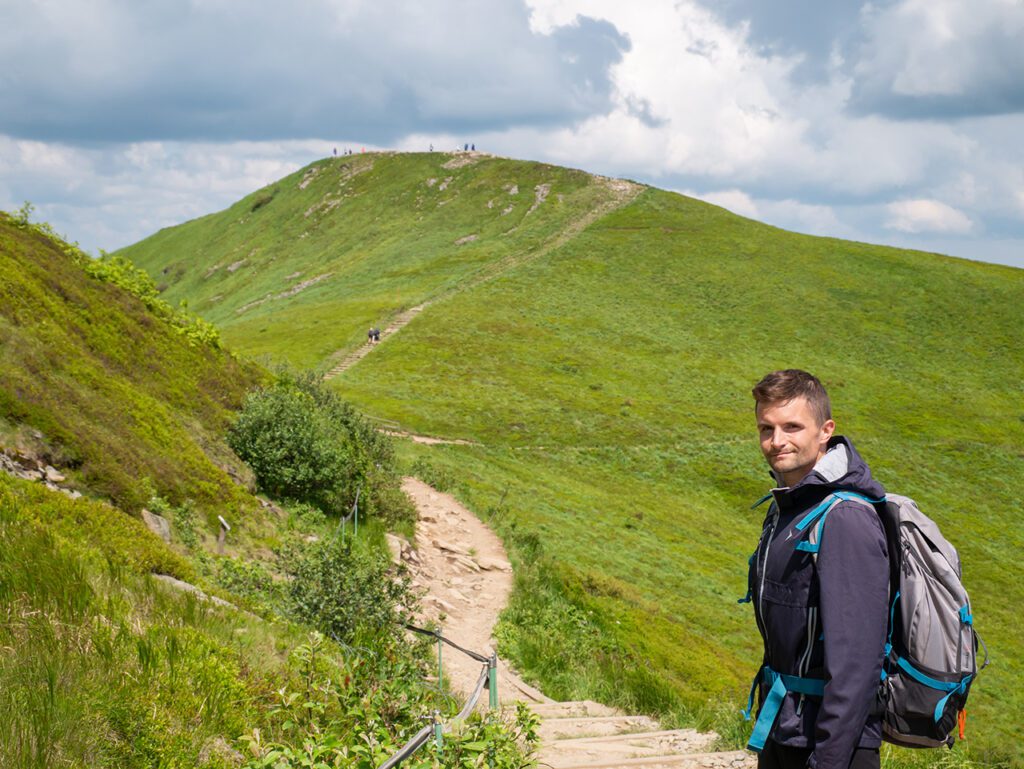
(827,429)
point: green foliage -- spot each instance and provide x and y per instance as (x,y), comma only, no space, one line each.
(122,273)
(99,666)
(251,581)
(115,393)
(304,443)
(296,450)
(123,542)
(349,593)
(491,740)
(103,667)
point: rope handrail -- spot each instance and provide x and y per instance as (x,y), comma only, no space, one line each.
(439,637)
(488,675)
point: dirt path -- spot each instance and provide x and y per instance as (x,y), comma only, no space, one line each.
(463,569)
(429,440)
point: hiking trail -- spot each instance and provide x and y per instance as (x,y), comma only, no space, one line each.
(463,572)
(622,193)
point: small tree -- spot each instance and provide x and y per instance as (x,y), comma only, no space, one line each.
(304,443)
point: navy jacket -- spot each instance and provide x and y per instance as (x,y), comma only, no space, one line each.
(826,620)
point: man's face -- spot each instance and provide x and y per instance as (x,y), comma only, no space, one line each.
(791,439)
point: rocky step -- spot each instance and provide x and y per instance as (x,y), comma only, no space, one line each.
(589,750)
(574,709)
(601,726)
(733,759)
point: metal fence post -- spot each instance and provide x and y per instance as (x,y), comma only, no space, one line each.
(438,731)
(492,679)
(440,671)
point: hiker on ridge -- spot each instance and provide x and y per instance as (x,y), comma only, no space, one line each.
(823,620)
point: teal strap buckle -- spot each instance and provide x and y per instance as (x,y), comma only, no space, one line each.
(780,685)
(941,705)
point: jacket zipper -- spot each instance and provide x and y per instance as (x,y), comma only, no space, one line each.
(763,568)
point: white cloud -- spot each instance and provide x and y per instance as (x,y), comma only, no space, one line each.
(736,201)
(106,198)
(927,216)
(105,70)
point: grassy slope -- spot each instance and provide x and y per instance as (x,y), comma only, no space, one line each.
(123,402)
(102,665)
(609,383)
(380,226)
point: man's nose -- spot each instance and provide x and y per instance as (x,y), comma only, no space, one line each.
(778,437)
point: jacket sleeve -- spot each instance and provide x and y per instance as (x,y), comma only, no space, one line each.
(853,573)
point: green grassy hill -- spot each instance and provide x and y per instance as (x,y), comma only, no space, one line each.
(96,384)
(600,351)
(288,649)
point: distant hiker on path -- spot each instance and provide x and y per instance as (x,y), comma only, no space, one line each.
(822,618)
(369,336)
(376,334)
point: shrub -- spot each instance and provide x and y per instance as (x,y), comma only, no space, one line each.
(304,443)
(348,593)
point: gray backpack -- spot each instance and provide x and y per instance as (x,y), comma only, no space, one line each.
(931,653)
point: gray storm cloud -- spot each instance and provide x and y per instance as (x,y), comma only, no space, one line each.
(119,71)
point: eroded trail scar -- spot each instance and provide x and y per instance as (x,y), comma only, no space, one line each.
(621,193)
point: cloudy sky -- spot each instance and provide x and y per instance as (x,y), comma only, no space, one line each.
(897,121)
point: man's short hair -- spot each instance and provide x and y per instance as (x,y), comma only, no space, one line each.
(784,386)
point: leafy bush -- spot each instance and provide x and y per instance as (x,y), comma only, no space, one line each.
(494,740)
(349,593)
(121,272)
(122,540)
(304,443)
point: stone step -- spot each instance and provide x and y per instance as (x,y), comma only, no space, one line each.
(575,709)
(601,726)
(733,759)
(587,750)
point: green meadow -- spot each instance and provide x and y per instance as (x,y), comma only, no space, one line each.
(604,373)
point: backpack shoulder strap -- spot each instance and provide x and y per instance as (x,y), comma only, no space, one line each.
(819,513)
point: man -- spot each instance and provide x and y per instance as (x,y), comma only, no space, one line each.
(823,617)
